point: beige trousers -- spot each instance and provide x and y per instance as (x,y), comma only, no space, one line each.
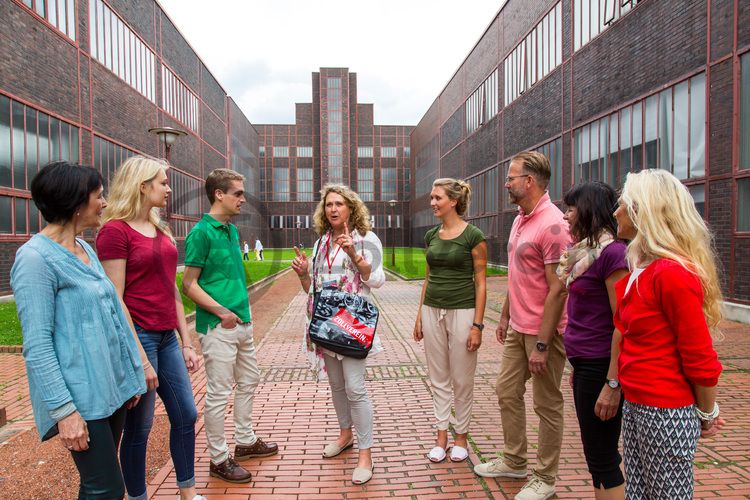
(451,366)
(229,357)
(548,403)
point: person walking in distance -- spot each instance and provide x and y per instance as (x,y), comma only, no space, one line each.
(215,280)
(530,325)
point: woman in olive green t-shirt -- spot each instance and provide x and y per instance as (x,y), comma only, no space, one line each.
(451,310)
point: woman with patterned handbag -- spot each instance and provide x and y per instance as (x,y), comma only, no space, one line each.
(351,261)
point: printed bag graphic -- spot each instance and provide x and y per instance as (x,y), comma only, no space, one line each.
(343,323)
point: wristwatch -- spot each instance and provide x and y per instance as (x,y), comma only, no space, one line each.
(541,346)
(479,326)
(613,383)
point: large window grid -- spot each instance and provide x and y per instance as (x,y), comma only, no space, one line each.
(388,183)
(334,132)
(743,204)
(242,162)
(482,105)
(187,192)
(280,184)
(304,184)
(553,151)
(59,13)
(535,57)
(119,49)
(108,156)
(280,151)
(289,221)
(591,17)
(744,124)
(485,193)
(366,184)
(426,167)
(364,151)
(304,152)
(29,139)
(178,100)
(665,130)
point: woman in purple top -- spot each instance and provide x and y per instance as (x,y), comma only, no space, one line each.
(589,270)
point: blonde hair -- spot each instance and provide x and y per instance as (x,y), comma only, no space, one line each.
(668,226)
(359,216)
(125,198)
(458,190)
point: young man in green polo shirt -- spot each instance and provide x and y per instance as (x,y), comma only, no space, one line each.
(215,280)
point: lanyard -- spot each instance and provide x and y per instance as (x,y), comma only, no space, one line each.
(330,261)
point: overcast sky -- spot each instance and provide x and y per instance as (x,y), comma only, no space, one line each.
(264,51)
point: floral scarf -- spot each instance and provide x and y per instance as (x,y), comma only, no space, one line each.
(349,281)
(577,259)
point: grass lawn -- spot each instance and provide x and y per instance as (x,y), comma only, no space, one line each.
(410,263)
(10,327)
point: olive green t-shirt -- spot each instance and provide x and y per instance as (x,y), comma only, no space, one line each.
(451,281)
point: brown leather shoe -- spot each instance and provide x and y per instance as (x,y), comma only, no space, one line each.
(258,450)
(230,471)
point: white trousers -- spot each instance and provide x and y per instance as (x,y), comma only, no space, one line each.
(229,357)
(353,406)
(451,365)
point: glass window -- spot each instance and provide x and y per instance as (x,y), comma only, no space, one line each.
(21,204)
(5,165)
(280,184)
(364,151)
(280,151)
(698,193)
(591,17)
(698,125)
(388,152)
(19,167)
(6,220)
(366,184)
(651,138)
(407,152)
(637,137)
(744,112)
(681,130)
(388,184)
(59,13)
(304,184)
(304,151)
(262,152)
(336,172)
(743,204)
(665,129)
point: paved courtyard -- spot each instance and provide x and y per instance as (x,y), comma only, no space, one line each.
(294,411)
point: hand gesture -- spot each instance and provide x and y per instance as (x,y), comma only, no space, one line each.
(74,433)
(192,360)
(346,243)
(418,335)
(474,340)
(502,331)
(608,402)
(300,264)
(228,319)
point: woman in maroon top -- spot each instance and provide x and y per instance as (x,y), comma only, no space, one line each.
(589,271)
(139,255)
(667,366)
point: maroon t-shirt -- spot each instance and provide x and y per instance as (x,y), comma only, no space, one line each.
(151,266)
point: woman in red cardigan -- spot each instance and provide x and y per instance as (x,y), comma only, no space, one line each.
(667,366)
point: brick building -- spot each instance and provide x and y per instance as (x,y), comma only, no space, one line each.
(333,139)
(603,87)
(84,81)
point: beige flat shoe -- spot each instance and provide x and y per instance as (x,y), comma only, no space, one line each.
(333,449)
(362,475)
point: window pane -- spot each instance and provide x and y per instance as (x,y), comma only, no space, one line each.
(21,216)
(637,137)
(603,148)
(681,130)
(743,204)
(5,166)
(71,19)
(665,130)
(699,197)
(33,218)
(6,217)
(698,126)
(52,12)
(650,138)
(19,170)
(745,113)
(31,144)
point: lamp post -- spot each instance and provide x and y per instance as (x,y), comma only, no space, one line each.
(168,136)
(392,203)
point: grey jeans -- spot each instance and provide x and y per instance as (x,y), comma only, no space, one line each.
(353,406)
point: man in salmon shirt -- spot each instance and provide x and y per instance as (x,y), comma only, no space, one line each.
(532,320)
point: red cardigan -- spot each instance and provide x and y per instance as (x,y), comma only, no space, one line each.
(666,345)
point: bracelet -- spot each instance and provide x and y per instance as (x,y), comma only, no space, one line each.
(188,347)
(707,416)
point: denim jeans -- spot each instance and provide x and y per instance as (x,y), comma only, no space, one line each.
(175,391)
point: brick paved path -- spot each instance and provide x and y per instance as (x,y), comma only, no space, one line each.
(291,409)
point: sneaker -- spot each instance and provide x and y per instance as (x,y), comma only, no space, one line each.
(498,468)
(259,449)
(230,471)
(536,489)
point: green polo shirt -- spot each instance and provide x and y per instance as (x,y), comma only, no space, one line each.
(215,248)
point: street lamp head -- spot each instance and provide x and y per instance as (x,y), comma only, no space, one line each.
(392,203)
(168,135)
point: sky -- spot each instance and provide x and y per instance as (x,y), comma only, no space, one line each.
(263,51)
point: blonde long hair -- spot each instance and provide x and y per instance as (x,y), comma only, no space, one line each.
(359,217)
(668,226)
(125,198)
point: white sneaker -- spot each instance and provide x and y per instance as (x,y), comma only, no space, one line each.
(536,489)
(498,468)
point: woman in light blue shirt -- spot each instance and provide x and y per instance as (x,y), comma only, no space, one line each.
(83,364)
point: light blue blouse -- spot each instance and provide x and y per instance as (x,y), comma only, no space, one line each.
(79,350)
